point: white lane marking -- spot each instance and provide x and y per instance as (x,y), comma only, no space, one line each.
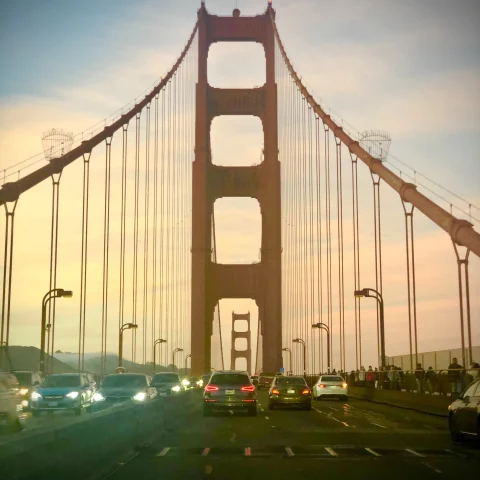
(248,452)
(289,452)
(163,452)
(373,452)
(329,415)
(429,427)
(436,470)
(331,408)
(205,452)
(267,418)
(413,452)
(455,453)
(378,425)
(332,452)
(262,409)
(208,469)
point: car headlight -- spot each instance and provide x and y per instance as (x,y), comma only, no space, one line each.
(72,395)
(200,383)
(185,382)
(98,397)
(140,397)
(24,403)
(23,391)
(36,396)
(176,388)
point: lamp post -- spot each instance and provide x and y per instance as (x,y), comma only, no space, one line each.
(299,340)
(126,326)
(186,361)
(286,349)
(157,342)
(55,293)
(173,357)
(325,327)
(366,292)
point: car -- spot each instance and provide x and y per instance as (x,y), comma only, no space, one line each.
(124,387)
(254,379)
(62,391)
(167,383)
(330,386)
(464,413)
(9,403)
(27,382)
(288,392)
(265,380)
(230,390)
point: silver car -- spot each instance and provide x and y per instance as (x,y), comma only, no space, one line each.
(230,390)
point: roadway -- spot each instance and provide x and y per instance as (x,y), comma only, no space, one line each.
(346,439)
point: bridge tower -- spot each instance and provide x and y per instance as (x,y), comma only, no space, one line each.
(247,354)
(212,281)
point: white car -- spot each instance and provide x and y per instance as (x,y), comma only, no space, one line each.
(331,386)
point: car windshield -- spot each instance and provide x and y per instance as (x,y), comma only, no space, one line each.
(122,380)
(62,381)
(289,381)
(329,378)
(230,379)
(166,377)
(24,378)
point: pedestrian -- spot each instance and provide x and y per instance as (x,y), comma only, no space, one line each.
(420,379)
(431,378)
(362,376)
(392,378)
(370,377)
(455,371)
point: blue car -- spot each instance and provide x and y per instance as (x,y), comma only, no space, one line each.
(66,391)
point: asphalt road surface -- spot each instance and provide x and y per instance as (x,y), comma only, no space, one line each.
(354,439)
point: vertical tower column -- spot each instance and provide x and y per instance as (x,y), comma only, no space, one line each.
(260,281)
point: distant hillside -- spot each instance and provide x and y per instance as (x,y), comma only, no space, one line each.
(28,358)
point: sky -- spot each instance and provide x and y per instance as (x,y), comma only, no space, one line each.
(411,68)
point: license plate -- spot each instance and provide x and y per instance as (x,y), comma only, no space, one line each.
(163,394)
(290,391)
(230,392)
(52,404)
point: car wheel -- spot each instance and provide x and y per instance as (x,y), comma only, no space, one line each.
(36,413)
(252,411)
(79,410)
(454,434)
(207,411)
(308,407)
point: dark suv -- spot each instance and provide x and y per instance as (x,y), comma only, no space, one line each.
(230,390)
(265,380)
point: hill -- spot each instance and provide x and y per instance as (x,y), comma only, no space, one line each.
(28,358)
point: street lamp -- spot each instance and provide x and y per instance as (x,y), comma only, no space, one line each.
(157,342)
(286,349)
(299,340)
(367,292)
(173,357)
(186,361)
(325,327)
(125,326)
(55,293)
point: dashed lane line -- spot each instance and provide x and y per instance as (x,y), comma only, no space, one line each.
(373,452)
(205,452)
(331,451)
(248,452)
(163,452)
(378,425)
(431,467)
(289,452)
(413,452)
(267,418)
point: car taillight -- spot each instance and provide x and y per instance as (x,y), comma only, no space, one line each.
(248,388)
(344,385)
(211,388)
(306,391)
(322,385)
(275,391)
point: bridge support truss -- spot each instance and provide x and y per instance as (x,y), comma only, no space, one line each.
(247,354)
(212,281)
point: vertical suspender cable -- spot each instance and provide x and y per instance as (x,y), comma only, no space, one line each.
(155,226)
(328,234)
(146,235)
